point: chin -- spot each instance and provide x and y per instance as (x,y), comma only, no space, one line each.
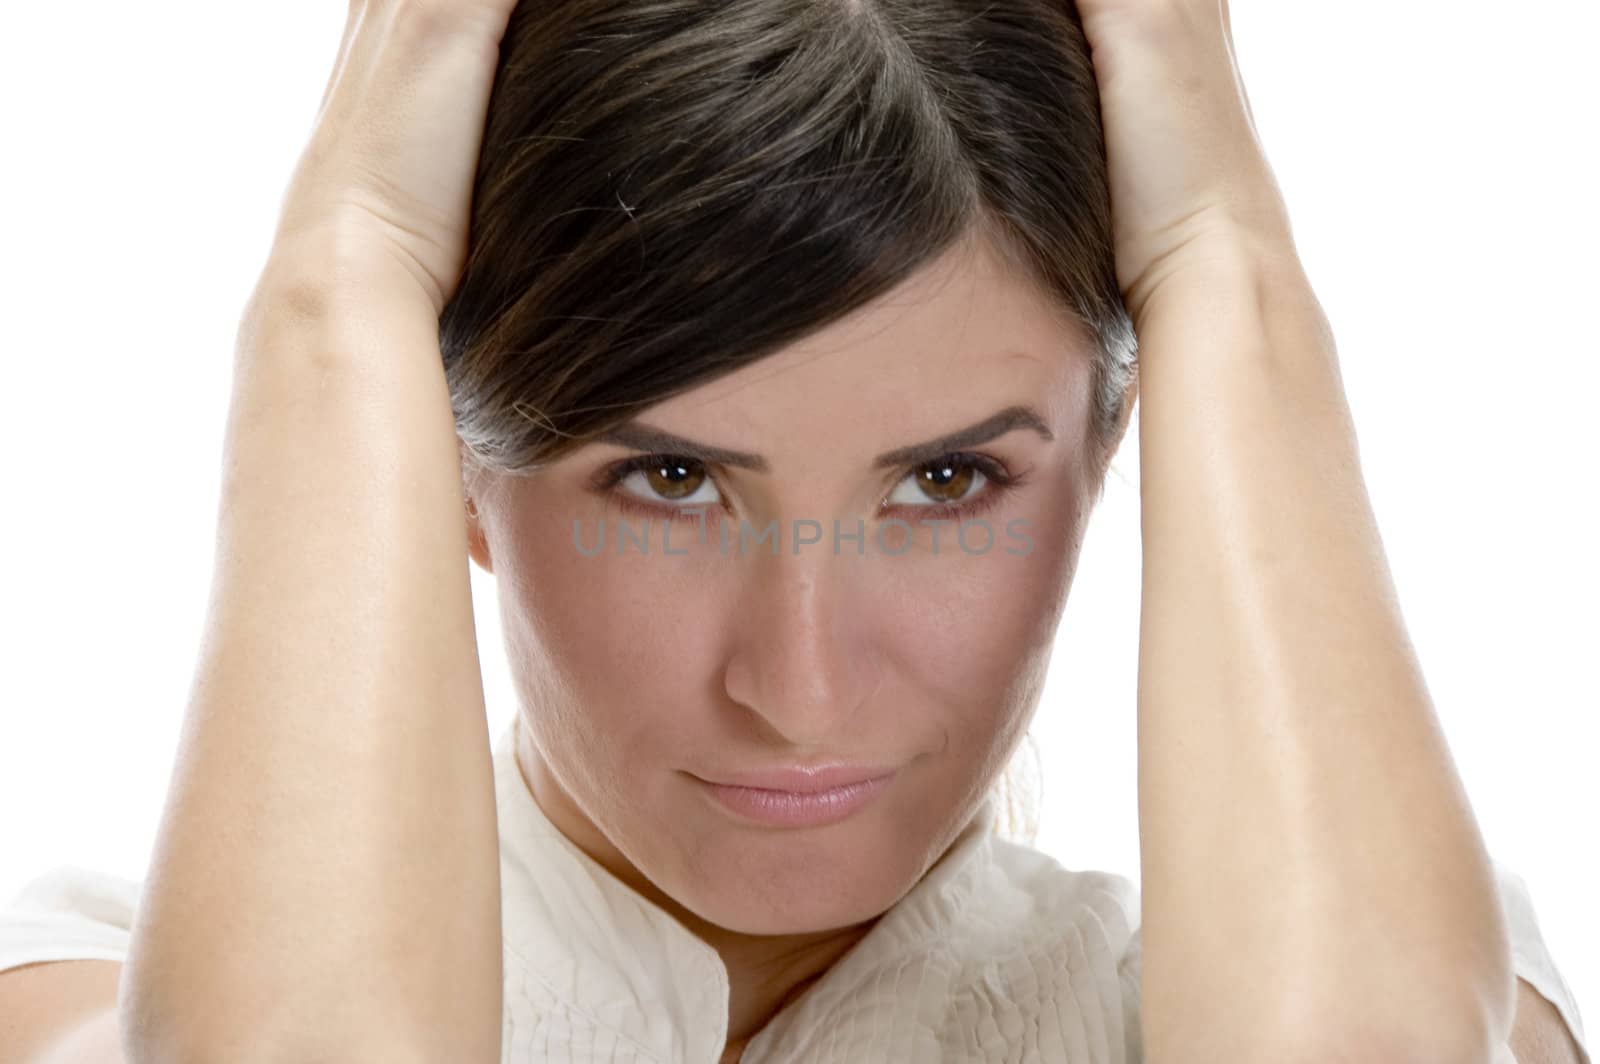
(797,914)
(844,876)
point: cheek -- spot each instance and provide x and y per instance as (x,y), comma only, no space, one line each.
(973,633)
(617,635)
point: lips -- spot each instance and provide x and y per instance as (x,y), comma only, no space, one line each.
(802,779)
(793,809)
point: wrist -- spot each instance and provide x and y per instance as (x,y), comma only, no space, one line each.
(1231,289)
(1214,250)
(338,316)
(341,273)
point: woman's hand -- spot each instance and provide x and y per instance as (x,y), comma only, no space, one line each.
(1186,170)
(386,179)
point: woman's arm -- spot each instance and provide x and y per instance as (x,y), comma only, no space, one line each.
(325,881)
(1312,874)
(1314,884)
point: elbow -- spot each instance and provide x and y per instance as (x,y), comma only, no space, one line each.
(1459,1010)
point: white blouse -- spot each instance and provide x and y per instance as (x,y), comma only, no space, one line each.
(997,954)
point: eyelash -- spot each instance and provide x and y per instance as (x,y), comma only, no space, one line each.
(999,483)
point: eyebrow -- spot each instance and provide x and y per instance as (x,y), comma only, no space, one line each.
(654,440)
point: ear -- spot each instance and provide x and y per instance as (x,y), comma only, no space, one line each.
(1124,418)
(477,541)
(1130,397)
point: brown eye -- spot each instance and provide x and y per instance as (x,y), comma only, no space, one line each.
(958,483)
(945,482)
(672,480)
(665,479)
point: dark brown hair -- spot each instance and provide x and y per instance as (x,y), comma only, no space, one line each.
(669,190)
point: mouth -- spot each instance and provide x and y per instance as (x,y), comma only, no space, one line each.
(774,807)
(811,778)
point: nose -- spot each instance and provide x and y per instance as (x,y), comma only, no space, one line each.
(800,663)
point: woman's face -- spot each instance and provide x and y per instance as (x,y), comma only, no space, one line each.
(640,674)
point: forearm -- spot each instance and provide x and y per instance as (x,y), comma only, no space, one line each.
(325,881)
(1311,868)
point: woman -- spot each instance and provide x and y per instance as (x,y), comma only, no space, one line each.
(775,289)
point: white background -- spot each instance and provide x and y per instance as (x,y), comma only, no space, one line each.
(1439,163)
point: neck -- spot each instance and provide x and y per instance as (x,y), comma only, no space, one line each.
(767,975)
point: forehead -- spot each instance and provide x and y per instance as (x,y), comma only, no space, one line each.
(964,337)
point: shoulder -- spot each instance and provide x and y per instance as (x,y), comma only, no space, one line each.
(1047,956)
(67,913)
(1533,959)
(1033,893)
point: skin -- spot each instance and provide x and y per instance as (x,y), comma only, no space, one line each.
(930,662)
(1276,686)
